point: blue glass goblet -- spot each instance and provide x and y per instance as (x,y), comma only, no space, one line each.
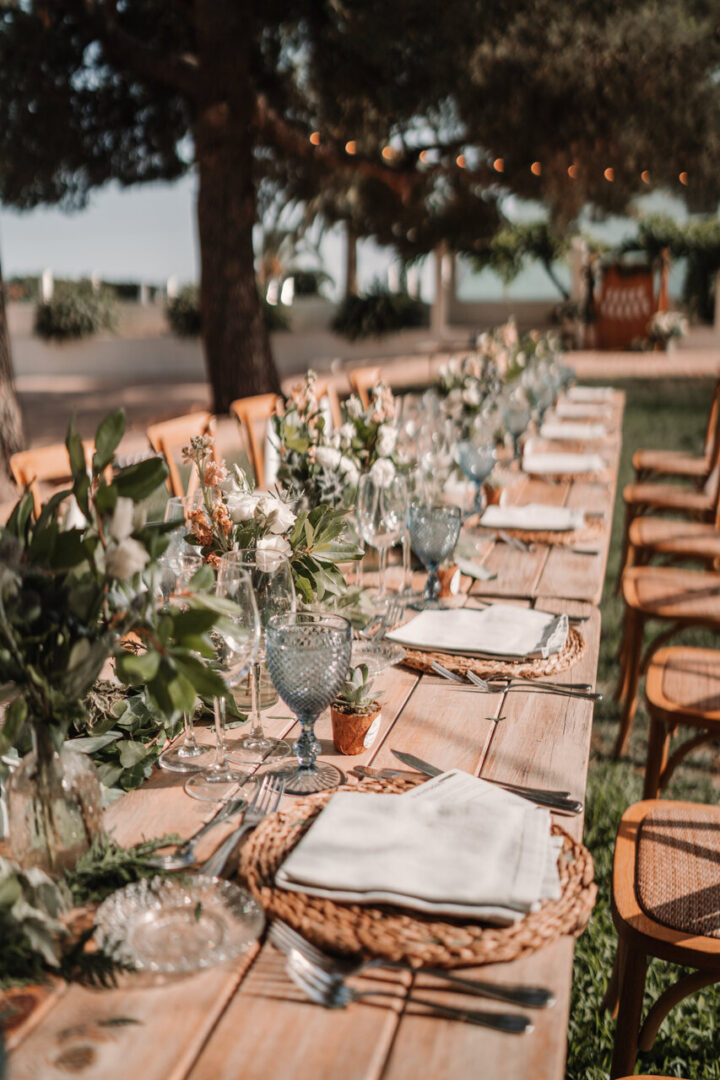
(476,461)
(434,532)
(308,655)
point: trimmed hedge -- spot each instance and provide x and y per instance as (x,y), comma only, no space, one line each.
(75,311)
(378,312)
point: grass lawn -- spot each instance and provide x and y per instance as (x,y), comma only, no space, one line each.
(663,414)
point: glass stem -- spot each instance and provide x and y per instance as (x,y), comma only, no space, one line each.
(256,728)
(359,572)
(306,746)
(406,567)
(220,755)
(382,561)
(432,585)
(189,741)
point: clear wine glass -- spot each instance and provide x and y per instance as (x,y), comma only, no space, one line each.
(382,506)
(517,416)
(177,509)
(434,532)
(308,655)
(176,572)
(237,640)
(272,581)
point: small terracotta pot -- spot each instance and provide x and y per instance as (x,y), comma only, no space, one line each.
(493,494)
(354,733)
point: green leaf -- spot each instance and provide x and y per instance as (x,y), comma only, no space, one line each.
(304,586)
(131,753)
(69,549)
(193,621)
(105,499)
(207,682)
(18,520)
(137,669)
(182,693)
(75,451)
(138,481)
(15,717)
(107,438)
(93,743)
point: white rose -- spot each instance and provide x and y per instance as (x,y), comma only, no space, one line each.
(349,471)
(347,432)
(328,457)
(280,516)
(242,507)
(127,559)
(383,472)
(353,407)
(455,396)
(386,439)
(270,551)
(121,524)
(471,394)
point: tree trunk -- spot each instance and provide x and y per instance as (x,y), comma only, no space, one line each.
(11,427)
(351,279)
(237,349)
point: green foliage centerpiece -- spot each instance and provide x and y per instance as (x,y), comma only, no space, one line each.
(71,598)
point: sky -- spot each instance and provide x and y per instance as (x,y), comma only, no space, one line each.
(148,233)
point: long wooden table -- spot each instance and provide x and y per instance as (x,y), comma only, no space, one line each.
(247,1021)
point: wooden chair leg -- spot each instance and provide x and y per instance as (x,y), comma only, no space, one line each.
(689,984)
(625,550)
(633,654)
(611,997)
(622,655)
(630,1011)
(657,755)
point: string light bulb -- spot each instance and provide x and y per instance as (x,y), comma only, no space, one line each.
(573,171)
(351,147)
(499,164)
(645,176)
(460,161)
(536,168)
(683,178)
(388,153)
(315,138)
(424,155)
(609,174)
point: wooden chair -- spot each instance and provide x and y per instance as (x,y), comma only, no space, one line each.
(362,380)
(677,463)
(326,388)
(254,415)
(169,437)
(682,688)
(676,596)
(673,541)
(665,904)
(44,464)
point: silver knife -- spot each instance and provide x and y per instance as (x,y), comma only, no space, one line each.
(554,801)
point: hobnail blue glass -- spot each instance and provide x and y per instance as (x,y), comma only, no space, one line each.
(434,532)
(476,461)
(308,655)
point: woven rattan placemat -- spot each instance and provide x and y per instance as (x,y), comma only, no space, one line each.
(590,533)
(395,933)
(571,652)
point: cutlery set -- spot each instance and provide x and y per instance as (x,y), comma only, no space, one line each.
(505,684)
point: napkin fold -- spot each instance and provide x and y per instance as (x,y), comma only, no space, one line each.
(533,516)
(499,630)
(581,410)
(560,463)
(590,393)
(456,845)
(568,429)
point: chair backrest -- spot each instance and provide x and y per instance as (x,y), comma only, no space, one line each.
(168,439)
(254,415)
(30,468)
(364,379)
(713,421)
(324,388)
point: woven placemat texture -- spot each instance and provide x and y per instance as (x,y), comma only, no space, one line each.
(589,534)
(395,933)
(572,651)
(677,868)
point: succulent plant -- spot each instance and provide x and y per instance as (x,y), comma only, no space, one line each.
(356,695)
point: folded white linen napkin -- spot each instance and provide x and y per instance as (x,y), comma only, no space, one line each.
(581,410)
(590,393)
(578,430)
(457,846)
(499,630)
(533,516)
(558,463)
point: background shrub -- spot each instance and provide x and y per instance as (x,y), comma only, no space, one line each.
(75,311)
(378,312)
(310,282)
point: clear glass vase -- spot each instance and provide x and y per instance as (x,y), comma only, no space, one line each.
(267,694)
(54,805)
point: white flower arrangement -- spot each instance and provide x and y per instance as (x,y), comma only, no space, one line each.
(665,326)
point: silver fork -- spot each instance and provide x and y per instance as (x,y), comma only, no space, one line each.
(330,990)
(266,801)
(488,684)
(287,939)
(499,686)
(184,854)
(391,616)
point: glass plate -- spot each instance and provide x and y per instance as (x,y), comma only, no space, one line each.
(378,655)
(172,926)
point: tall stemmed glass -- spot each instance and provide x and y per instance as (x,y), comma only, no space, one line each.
(237,640)
(476,457)
(308,654)
(176,572)
(434,532)
(272,582)
(177,509)
(517,416)
(382,506)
